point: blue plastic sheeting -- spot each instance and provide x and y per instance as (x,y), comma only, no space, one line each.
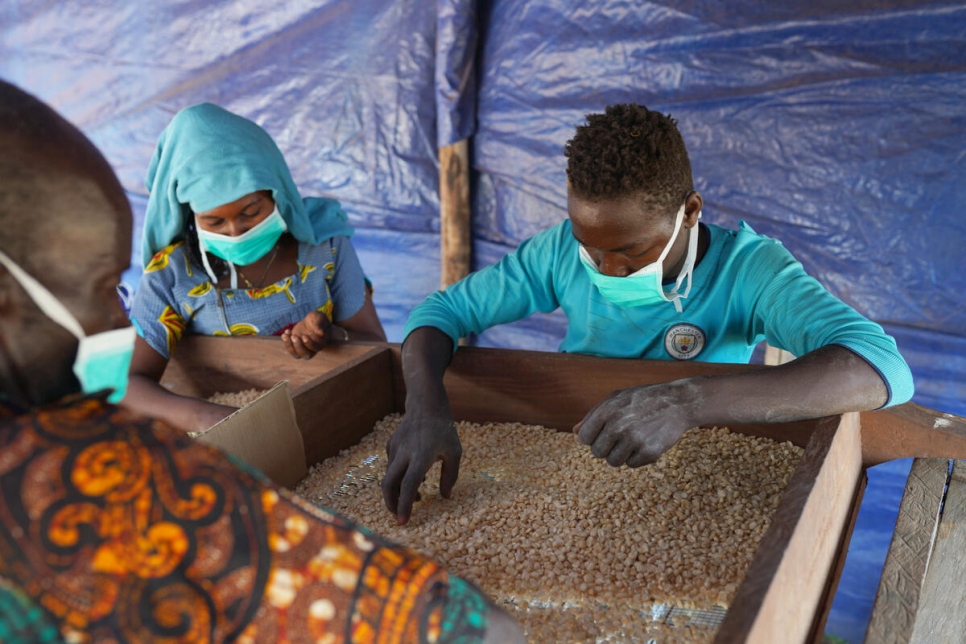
(837,127)
(343,87)
(456,45)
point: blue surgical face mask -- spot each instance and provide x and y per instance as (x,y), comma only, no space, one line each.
(102,359)
(248,247)
(645,286)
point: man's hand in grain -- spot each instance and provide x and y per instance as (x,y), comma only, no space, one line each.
(635,426)
(416,444)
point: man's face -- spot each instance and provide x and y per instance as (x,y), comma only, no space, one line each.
(80,248)
(623,236)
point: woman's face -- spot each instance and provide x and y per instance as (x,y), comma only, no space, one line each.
(239,216)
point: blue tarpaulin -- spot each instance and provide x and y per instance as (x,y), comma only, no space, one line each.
(837,127)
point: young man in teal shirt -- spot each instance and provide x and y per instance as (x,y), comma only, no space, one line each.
(639,276)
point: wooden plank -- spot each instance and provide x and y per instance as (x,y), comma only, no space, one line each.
(337,409)
(779,597)
(557,390)
(817,635)
(898,598)
(942,608)
(204,365)
(911,431)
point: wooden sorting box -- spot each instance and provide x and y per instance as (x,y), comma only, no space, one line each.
(785,594)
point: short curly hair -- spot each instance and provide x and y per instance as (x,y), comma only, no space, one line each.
(629,150)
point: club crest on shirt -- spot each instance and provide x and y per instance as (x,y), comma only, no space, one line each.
(684,341)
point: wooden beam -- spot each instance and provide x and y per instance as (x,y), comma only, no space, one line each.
(900,587)
(911,431)
(841,554)
(942,608)
(454,212)
(782,592)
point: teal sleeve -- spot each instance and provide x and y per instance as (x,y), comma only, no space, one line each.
(22,620)
(793,311)
(519,284)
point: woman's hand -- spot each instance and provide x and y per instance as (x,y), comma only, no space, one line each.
(309,335)
(146,396)
(210,414)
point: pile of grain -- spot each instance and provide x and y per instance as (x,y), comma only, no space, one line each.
(577,550)
(236,398)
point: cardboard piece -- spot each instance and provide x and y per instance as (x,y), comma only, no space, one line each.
(264,434)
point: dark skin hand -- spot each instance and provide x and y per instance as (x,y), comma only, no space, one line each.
(315,331)
(146,395)
(427,433)
(635,426)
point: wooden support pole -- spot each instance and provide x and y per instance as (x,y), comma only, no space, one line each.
(454,212)
(897,601)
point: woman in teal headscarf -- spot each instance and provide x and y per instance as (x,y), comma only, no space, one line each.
(231,248)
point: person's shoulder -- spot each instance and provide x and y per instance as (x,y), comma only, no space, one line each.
(553,236)
(745,244)
(171,272)
(546,247)
(323,252)
(168,258)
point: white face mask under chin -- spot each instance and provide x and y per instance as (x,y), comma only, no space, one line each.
(102,359)
(645,286)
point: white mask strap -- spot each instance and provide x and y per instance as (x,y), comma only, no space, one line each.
(687,271)
(677,227)
(204,260)
(44,299)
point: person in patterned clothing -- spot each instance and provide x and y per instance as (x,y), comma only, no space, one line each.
(231,248)
(115,527)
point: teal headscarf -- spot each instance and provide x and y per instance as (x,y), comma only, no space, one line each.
(208,157)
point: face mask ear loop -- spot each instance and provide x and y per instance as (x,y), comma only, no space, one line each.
(688,269)
(667,249)
(44,299)
(204,260)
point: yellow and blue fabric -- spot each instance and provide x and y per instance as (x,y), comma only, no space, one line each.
(746,289)
(176,297)
(207,157)
(116,528)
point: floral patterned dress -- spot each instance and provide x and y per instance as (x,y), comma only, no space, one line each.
(174,297)
(115,528)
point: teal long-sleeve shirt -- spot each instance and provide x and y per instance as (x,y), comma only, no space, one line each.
(746,289)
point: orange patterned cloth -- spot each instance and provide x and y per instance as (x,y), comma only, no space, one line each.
(115,528)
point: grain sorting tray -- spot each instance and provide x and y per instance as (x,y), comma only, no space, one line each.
(787,589)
